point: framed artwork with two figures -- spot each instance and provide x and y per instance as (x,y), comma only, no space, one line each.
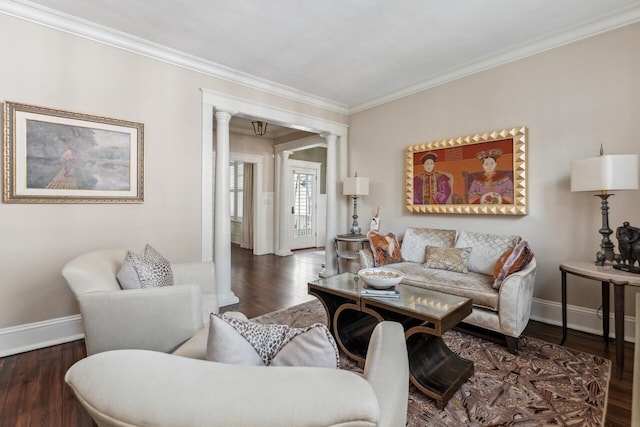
(485,173)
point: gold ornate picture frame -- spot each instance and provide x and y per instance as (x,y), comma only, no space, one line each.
(55,156)
(485,173)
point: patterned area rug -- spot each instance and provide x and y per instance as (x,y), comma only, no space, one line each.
(545,384)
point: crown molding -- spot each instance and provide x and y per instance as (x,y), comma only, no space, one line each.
(616,19)
(38,14)
(41,15)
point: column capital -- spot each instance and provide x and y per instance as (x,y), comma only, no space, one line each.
(222,115)
(330,137)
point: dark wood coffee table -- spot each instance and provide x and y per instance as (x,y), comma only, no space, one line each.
(425,315)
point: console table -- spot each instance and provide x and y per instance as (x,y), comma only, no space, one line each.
(606,275)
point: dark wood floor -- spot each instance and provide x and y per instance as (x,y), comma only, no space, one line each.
(33,392)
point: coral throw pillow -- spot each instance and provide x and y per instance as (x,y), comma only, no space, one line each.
(512,260)
(385,248)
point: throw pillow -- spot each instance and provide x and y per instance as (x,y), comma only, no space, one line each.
(451,259)
(486,248)
(385,248)
(147,270)
(415,241)
(243,342)
(512,260)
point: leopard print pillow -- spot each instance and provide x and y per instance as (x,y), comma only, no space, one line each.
(148,270)
(244,342)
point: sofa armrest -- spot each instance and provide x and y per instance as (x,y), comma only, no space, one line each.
(157,319)
(366,258)
(515,297)
(124,387)
(387,370)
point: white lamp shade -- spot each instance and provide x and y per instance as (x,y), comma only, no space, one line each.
(355,186)
(604,173)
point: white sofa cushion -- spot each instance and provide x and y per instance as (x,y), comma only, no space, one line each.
(243,342)
(472,285)
(415,241)
(486,248)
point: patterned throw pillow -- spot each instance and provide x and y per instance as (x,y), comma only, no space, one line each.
(486,248)
(415,241)
(451,259)
(385,248)
(148,270)
(512,260)
(243,342)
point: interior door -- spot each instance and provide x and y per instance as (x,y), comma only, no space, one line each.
(303,209)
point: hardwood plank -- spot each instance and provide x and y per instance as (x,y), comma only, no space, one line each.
(33,392)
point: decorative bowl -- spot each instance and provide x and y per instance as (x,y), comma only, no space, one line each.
(380,277)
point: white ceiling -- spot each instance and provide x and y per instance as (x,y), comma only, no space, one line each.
(351,54)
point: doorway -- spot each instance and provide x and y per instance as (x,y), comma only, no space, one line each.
(304,209)
(252,217)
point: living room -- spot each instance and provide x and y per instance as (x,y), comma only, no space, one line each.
(572,98)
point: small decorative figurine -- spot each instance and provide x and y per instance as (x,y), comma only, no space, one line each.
(629,246)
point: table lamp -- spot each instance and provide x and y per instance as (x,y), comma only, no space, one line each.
(355,187)
(603,174)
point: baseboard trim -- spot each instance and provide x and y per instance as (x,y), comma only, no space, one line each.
(228,299)
(32,336)
(579,318)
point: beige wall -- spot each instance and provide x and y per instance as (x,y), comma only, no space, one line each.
(46,67)
(571,98)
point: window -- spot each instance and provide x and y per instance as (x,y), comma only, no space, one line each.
(236,184)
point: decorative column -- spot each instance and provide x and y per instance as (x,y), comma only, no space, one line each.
(222,220)
(284,230)
(330,267)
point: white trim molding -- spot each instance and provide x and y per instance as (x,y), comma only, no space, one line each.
(246,107)
(32,336)
(579,318)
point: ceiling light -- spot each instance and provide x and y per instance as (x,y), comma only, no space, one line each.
(259,128)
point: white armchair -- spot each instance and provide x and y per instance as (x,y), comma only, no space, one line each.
(135,388)
(159,319)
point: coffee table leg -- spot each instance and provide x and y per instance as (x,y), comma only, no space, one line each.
(433,368)
(352,330)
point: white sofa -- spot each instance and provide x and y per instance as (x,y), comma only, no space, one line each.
(158,319)
(505,311)
(137,387)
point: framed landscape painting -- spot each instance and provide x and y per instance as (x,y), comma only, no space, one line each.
(476,174)
(55,156)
